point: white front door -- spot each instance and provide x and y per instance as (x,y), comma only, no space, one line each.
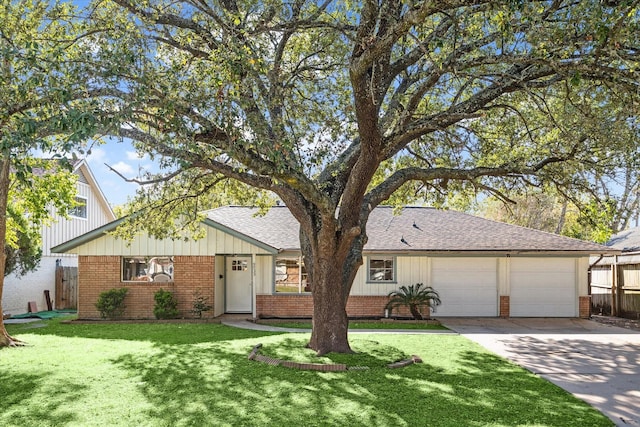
(238,292)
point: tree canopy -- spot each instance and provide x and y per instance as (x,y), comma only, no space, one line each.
(46,107)
(347,104)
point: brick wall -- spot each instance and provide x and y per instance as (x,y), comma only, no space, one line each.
(101,273)
(505,306)
(302,306)
(584,307)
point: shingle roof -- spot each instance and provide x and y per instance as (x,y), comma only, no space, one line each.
(414,229)
(626,240)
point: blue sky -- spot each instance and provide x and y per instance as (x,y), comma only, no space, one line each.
(122,157)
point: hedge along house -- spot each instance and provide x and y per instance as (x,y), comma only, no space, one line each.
(252,264)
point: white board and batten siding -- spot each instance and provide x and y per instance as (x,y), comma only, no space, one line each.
(65,229)
(215,242)
(264,270)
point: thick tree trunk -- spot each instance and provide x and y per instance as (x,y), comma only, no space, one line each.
(5,339)
(332,266)
(330,322)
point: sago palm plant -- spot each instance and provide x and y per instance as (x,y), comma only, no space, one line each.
(415,297)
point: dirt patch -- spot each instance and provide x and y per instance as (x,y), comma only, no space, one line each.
(618,321)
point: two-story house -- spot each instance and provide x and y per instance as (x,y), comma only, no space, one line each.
(93,211)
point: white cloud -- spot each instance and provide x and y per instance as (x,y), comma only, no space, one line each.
(123,168)
(98,155)
(133,155)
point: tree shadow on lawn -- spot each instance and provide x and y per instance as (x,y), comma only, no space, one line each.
(157,333)
(215,384)
(26,402)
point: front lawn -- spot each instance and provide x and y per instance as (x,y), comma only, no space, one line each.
(199,375)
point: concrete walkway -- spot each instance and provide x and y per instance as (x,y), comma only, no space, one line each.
(244,324)
(597,363)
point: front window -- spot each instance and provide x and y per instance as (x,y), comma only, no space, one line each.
(147,269)
(381,269)
(80,208)
(291,275)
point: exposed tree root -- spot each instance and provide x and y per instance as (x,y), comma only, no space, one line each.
(7,340)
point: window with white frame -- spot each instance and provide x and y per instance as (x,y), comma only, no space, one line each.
(80,208)
(291,275)
(147,269)
(381,269)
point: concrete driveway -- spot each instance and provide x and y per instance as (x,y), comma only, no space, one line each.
(598,363)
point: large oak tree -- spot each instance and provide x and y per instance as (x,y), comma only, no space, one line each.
(338,106)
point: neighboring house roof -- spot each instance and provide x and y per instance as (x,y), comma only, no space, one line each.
(626,240)
(414,229)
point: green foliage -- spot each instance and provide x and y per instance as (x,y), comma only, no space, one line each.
(545,210)
(25,251)
(200,304)
(44,110)
(414,297)
(594,222)
(166,305)
(110,303)
(338,107)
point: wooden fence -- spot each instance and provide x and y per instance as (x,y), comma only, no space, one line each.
(626,303)
(66,288)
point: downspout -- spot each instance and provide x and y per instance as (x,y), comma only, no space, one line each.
(589,272)
(614,286)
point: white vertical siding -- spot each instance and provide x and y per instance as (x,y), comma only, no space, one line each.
(215,242)
(63,229)
(264,275)
(409,270)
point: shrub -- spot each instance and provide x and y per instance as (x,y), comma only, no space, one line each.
(166,305)
(110,303)
(414,297)
(200,304)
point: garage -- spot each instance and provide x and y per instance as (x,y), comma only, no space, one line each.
(543,287)
(467,286)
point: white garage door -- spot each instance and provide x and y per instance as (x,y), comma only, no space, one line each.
(467,286)
(543,287)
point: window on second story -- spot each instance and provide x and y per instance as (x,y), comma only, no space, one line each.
(80,209)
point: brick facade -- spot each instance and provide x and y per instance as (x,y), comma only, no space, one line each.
(584,307)
(505,306)
(196,273)
(302,306)
(101,273)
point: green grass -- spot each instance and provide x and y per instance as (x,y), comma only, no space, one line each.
(359,325)
(199,375)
